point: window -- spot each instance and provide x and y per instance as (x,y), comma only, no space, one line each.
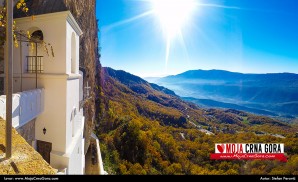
(34,64)
(73,54)
(37,36)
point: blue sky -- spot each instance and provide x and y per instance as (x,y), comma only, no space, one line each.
(249,36)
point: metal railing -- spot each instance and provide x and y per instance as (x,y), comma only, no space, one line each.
(35,64)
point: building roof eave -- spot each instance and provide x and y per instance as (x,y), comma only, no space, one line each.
(67,15)
(71,20)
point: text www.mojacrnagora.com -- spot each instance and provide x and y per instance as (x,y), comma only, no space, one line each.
(35,178)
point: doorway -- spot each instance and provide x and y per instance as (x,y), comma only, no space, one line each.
(44,149)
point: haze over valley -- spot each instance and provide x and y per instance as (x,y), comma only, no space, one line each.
(274,94)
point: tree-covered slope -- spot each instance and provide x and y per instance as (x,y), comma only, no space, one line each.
(147,129)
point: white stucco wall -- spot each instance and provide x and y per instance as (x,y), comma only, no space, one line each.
(61,87)
(54,115)
(77,157)
(59,38)
(61,91)
(72,103)
(73,160)
(100,163)
(54,31)
(69,42)
(59,160)
(74,127)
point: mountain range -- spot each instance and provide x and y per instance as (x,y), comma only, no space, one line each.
(273,94)
(148,129)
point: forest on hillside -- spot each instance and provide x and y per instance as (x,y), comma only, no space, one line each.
(147,129)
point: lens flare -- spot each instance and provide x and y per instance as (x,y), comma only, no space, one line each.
(173,14)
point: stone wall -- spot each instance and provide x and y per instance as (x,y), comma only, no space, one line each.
(28,132)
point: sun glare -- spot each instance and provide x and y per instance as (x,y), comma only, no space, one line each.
(173,14)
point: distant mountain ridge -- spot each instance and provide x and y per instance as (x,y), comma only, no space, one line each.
(276,92)
(224,75)
(144,95)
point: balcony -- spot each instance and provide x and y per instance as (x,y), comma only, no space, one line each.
(26,106)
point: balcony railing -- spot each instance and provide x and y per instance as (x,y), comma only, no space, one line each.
(26,106)
(34,64)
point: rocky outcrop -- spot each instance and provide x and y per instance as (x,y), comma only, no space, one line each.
(24,160)
(84,13)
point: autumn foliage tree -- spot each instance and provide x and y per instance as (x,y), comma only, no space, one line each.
(141,135)
(21,6)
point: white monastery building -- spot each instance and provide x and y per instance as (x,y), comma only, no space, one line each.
(49,89)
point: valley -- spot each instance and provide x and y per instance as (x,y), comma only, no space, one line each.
(265,94)
(148,129)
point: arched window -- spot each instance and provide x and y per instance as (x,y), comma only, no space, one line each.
(34,58)
(37,36)
(73,54)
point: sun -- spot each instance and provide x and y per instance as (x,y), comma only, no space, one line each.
(173,14)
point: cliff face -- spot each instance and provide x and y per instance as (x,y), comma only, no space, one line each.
(84,13)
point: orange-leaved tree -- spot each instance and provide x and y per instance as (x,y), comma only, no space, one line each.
(21,6)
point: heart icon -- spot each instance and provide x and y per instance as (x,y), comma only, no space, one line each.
(221,148)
